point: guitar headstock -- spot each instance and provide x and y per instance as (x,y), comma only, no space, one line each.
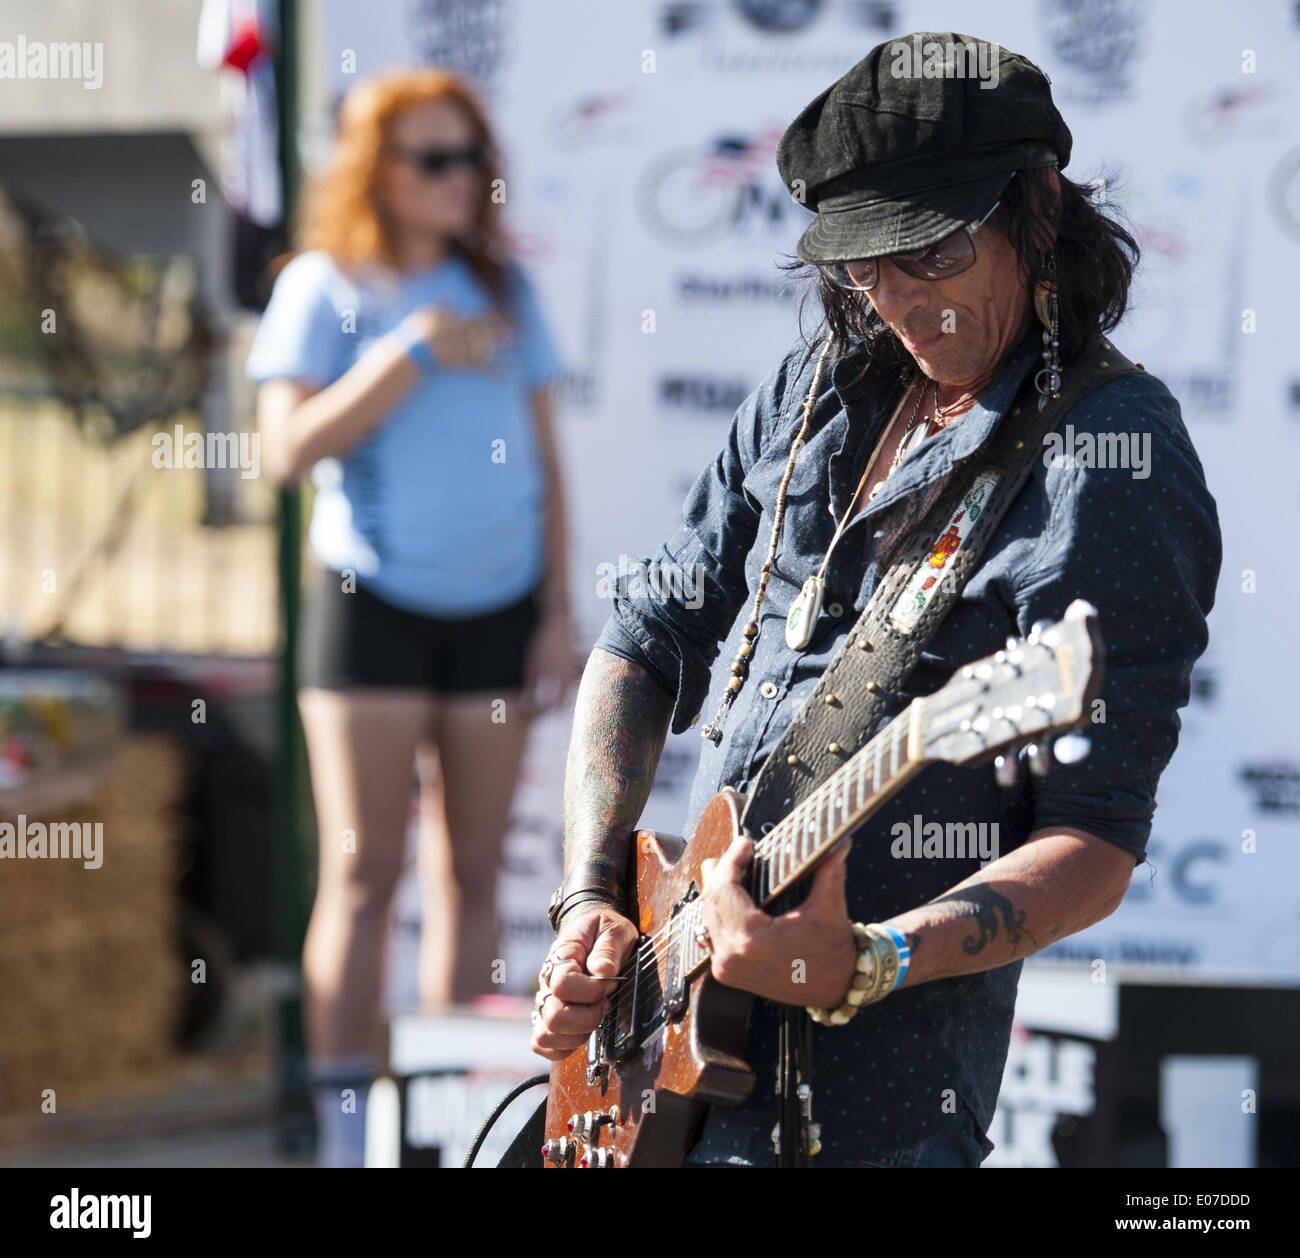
(1036,686)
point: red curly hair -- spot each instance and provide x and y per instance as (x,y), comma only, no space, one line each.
(340,211)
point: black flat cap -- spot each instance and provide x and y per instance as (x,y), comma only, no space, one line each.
(916,140)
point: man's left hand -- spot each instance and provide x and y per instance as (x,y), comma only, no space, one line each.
(804,957)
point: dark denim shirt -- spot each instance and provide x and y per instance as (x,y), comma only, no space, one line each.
(1144,550)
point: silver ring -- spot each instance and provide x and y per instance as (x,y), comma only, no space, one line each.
(704,939)
(548,968)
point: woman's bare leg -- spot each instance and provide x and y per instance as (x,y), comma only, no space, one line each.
(438,898)
(362,745)
(479,759)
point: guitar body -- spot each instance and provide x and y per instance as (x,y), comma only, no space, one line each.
(674,1039)
(692,1056)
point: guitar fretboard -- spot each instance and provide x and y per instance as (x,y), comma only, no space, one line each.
(788,851)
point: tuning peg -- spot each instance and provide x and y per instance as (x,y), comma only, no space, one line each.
(1039,757)
(1071,748)
(1006,771)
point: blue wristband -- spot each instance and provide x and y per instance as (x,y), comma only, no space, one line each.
(417,348)
(904,954)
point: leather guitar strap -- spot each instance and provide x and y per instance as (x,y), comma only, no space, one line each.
(861,683)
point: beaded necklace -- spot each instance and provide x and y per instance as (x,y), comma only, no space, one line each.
(806,607)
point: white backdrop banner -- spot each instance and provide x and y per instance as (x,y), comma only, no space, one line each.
(645,200)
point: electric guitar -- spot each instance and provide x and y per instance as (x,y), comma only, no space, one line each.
(674,1039)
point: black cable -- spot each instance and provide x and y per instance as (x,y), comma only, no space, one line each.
(496,1113)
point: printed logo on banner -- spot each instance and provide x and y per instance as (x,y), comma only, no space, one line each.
(773,17)
(470,38)
(592,118)
(779,15)
(727,186)
(1098,43)
(1274,785)
(1227,115)
(697,288)
(1047,1083)
(705,395)
(1284,193)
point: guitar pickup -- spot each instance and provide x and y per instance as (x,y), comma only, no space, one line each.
(674,995)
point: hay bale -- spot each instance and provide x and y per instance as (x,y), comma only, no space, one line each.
(89,970)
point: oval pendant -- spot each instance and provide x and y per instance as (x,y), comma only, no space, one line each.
(802,618)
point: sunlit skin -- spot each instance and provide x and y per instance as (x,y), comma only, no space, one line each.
(991,310)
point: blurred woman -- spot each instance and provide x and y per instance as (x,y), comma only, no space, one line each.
(403,360)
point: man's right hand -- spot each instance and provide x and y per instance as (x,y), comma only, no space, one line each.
(592,945)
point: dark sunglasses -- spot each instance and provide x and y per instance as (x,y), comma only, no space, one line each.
(952,255)
(439,161)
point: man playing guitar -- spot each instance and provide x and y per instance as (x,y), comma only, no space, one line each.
(950,255)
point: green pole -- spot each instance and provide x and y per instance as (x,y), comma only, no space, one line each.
(292,866)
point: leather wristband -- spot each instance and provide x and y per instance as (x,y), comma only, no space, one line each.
(563,902)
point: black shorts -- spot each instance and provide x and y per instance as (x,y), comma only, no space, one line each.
(357,639)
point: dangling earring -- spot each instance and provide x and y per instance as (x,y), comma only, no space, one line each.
(1047,307)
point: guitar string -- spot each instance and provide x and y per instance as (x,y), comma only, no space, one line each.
(648,954)
(767,847)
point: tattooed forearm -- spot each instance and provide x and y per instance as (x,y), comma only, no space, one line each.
(620,722)
(987,906)
(1058,882)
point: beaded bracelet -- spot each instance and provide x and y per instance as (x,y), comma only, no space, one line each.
(883,956)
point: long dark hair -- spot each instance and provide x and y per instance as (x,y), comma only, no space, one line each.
(1095,260)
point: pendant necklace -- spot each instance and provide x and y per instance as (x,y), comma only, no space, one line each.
(807,606)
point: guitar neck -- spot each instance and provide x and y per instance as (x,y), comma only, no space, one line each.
(788,851)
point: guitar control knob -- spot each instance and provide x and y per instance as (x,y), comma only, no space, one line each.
(1006,771)
(558,1152)
(1040,759)
(596,1121)
(597,1160)
(574,1126)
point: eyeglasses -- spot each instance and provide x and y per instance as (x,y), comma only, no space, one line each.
(439,161)
(952,255)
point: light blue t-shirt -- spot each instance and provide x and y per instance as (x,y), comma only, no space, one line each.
(440,510)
